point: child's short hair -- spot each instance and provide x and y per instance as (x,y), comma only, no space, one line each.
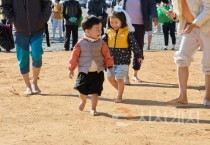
(120,16)
(89,21)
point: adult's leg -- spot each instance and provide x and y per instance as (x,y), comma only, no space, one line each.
(55,24)
(36,53)
(68,35)
(139,35)
(23,57)
(205,43)
(165,34)
(74,35)
(149,39)
(183,74)
(60,27)
(207,86)
(183,58)
(172,29)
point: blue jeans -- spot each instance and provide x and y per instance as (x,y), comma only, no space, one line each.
(120,71)
(23,44)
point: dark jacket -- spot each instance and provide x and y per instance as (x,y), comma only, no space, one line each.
(28,16)
(148,8)
(71,9)
(97,7)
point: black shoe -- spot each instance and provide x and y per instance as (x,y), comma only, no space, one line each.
(172,49)
(165,49)
(66,49)
(71,49)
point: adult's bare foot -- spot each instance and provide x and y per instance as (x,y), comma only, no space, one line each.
(206,102)
(35,89)
(118,101)
(28,92)
(178,101)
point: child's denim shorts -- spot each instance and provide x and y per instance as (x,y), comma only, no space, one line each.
(120,71)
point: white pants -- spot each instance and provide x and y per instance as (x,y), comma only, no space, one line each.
(189,46)
(58,23)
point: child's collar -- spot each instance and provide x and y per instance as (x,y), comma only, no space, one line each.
(90,39)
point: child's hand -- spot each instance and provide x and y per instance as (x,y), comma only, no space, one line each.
(71,74)
(140,60)
(111,72)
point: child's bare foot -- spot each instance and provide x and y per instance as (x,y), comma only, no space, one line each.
(35,89)
(28,92)
(118,101)
(136,79)
(94,112)
(82,105)
(178,100)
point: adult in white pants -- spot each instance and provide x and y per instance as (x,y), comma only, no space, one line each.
(194,23)
(57,18)
(58,23)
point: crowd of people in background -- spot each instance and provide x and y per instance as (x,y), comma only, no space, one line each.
(66,17)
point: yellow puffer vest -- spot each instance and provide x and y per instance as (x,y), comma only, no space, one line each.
(119,41)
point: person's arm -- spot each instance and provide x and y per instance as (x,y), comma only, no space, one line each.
(138,52)
(204,16)
(174,14)
(46,10)
(65,16)
(108,60)
(7,10)
(153,11)
(73,62)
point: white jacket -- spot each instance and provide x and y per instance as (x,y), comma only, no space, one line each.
(200,9)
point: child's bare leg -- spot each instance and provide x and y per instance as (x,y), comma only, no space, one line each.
(113,82)
(83,101)
(35,87)
(121,86)
(94,102)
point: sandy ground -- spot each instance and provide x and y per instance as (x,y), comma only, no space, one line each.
(53,118)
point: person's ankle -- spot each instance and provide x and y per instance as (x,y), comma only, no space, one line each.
(119,98)
(34,82)
(165,47)
(93,108)
(182,97)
